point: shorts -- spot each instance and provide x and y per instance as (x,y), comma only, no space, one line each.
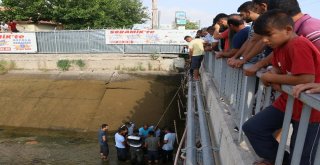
(153,155)
(196,62)
(104,149)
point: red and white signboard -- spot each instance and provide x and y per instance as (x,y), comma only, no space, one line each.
(122,36)
(18,43)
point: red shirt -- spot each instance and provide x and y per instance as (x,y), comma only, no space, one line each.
(225,36)
(298,56)
(13,26)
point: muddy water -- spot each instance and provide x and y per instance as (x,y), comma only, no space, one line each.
(48,119)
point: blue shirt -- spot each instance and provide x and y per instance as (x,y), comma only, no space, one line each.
(240,37)
(100,135)
(143,132)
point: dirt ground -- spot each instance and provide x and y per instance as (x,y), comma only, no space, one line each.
(53,119)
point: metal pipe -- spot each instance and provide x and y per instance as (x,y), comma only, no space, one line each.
(207,153)
(191,138)
(180,146)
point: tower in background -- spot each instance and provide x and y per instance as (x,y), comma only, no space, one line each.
(155,18)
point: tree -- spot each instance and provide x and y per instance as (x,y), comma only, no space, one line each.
(191,25)
(26,9)
(78,14)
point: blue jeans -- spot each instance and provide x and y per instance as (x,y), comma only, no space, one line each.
(167,156)
(260,128)
(153,155)
(122,154)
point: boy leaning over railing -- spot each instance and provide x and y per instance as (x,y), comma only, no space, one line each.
(296,61)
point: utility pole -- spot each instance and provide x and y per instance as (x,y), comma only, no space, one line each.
(155,18)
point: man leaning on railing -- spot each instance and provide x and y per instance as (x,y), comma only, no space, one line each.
(305,25)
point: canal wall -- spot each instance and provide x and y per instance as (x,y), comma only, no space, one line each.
(82,102)
(95,62)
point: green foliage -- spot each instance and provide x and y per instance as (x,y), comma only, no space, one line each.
(78,14)
(191,25)
(80,63)
(64,65)
(5,66)
(154,56)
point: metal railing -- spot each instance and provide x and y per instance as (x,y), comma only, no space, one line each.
(93,41)
(191,138)
(197,129)
(310,101)
(206,147)
(239,92)
(234,89)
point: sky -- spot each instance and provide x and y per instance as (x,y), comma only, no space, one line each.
(205,10)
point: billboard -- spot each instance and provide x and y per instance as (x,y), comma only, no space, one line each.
(122,36)
(181,18)
(18,43)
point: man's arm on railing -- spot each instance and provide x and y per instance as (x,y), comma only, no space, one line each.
(228,54)
(269,78)
(256,48)
(257,66)
(309,88)
(242,50)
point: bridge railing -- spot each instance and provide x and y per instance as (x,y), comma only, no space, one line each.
(239,92)
(197,128)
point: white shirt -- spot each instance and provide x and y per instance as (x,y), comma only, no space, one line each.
(130,129)
(170,137)
(209,39)
(4,27)
(119,139)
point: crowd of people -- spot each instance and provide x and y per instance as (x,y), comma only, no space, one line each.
(269,33)
(148,143)
(10,26)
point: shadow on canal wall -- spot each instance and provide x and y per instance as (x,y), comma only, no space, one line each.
(70,103)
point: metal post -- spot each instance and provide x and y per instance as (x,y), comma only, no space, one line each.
(285,130)
(259,97)
(207,153)
(267,97)
(243,104)
(246,102)
(317,158)
(302,133)
(191,136)
(55,41)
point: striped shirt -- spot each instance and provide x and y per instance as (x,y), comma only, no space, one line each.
(310,28)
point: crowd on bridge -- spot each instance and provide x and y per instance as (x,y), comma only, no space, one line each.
(10,26)
(135,145)
(278,36)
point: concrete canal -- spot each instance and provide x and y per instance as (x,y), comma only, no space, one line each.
(54,118)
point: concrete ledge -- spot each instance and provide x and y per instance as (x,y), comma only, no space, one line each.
(120,62)
(230,153)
